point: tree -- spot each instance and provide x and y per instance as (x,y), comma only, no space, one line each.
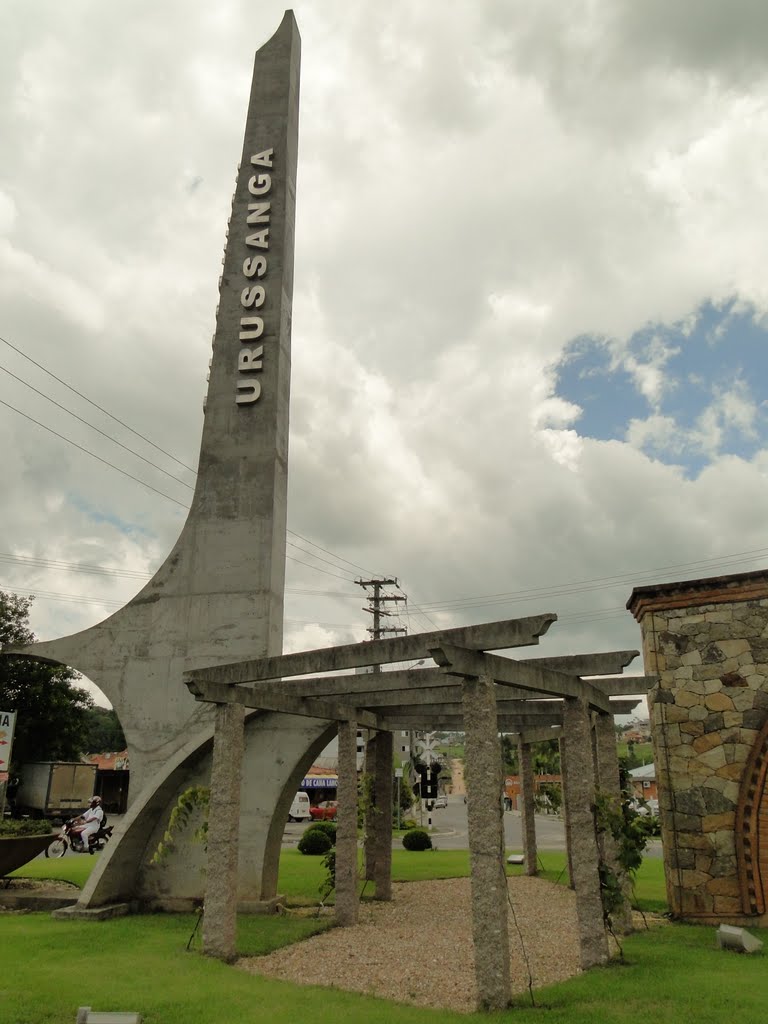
(103,731)
(509,754)
(51,712)
(546,758)
(407,796)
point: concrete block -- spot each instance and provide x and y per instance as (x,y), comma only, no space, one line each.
(270,906)
(737,939)
(85,1015)
(93,913)
(516,858)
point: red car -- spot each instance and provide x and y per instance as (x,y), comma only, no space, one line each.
(324,811)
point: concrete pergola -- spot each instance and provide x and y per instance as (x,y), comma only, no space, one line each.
(470,689)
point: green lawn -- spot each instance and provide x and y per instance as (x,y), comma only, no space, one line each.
(68,869)
(642,751)
(673,973)
(452,750)
(300,876)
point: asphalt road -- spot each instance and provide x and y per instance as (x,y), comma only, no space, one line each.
(449,830)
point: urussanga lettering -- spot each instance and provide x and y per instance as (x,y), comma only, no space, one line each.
(250,359)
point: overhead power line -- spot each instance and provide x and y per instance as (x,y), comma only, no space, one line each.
(93,455)
(328,552)
(98,430)
(48,595)
(597,583)
(58,565)
(182,504)
(338,558)
(94,404)
(576,618)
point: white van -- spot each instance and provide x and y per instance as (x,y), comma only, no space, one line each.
(299,808)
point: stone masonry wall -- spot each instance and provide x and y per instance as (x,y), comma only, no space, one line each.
(706,712)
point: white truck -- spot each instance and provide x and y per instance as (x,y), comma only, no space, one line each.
(299,808)
(55,789)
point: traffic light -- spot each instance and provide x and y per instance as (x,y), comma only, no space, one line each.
(428,774)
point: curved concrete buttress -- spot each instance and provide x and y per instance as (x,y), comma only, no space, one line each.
(218,597)
(279,750)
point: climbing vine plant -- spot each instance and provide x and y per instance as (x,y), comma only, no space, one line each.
(618,820)
(192,802)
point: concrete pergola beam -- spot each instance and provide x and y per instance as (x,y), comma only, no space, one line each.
(424,678)
(423,706)
(540,735)
(420,716)
(600,664)
(321,686)
(219,693)
(529,709)
(624,686)
(433,695)
(463,662)
(488,636)
(430,722)
(432,683)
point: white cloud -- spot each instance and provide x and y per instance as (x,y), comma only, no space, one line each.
(657,433)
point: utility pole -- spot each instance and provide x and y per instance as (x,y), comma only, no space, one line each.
(377,631)
(377,599)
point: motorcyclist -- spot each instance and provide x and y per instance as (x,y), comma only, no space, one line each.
(89,822)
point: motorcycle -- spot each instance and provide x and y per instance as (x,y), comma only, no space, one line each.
(70,837)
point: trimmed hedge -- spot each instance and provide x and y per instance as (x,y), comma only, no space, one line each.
(328,828)
(417,839)
(25,827)
(314,842)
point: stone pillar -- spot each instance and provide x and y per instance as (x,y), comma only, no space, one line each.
(382,820)
(346,826)
(566,806)
(609,784)
(486,843)
(369,842)
(584,853)
(220,918)
(527,808)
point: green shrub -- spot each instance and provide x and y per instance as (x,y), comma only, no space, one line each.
(417,839)
(648,825)
(410,823)
(24,827)
(314,842)
(326,827)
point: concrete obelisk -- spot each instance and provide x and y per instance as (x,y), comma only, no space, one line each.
(219,595)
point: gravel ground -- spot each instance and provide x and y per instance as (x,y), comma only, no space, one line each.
(418,948)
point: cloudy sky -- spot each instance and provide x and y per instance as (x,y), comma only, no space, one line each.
(529,331)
